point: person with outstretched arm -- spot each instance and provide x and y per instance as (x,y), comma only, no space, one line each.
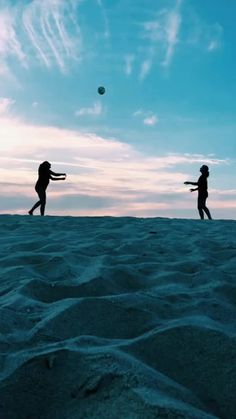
(44,177)
(202,192)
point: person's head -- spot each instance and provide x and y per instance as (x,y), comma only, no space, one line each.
(45,165)
(204,170)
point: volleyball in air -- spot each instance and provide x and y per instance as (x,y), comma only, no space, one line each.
(101,90)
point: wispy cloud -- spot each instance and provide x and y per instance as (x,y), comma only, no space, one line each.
(57,37)
(129,60)
(213,45)
(148,117)
(44,29)
(198,32)
(150,120)
(94,110)
(146,67)
(5,105)
(214,37)
(172,28)
(138,112)
(10,46)
(105,18)
(163,35)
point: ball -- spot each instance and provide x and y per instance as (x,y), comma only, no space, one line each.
(101,90)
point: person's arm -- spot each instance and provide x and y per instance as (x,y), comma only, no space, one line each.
(57,174)
(193,190)
(57,178)
(191,183)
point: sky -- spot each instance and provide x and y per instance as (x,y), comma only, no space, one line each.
(169,70)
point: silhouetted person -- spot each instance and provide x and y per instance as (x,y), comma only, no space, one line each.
(45,174)
(202,192)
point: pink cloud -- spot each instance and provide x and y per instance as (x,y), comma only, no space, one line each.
(97,167)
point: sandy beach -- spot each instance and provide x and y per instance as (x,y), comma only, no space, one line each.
(105,317)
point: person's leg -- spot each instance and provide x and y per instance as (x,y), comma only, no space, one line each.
(34,207)
(42,196)
(207,211)
(42,202)
(200,205)
(201,213)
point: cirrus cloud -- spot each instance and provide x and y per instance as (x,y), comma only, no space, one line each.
(39,30)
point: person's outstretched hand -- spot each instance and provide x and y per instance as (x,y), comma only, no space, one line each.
(192,190)
(186,183)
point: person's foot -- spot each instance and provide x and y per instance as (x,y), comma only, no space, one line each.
(30,212)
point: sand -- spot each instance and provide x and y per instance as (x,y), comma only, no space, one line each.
(107,318)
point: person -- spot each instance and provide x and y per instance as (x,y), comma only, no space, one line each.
(202,192)
(44,176)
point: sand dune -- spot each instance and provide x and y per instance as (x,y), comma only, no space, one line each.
(109,318)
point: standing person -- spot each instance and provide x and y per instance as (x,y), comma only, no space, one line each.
(45,174)
(202,191)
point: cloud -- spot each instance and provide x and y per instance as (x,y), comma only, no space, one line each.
(96,166)
(173,23)
(148,117)
(43,30)
(208,36)
(105,18)
(212,46)
(174,26)
(138,112)
(103,176)
(53,32)
(151,120)
(95,110)
(5,105)
(163,35)
(129,59)
(9,43)
(214,37)
(145,68)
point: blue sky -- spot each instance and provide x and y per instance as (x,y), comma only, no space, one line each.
(168,67)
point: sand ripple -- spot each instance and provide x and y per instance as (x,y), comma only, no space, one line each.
(109,318)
